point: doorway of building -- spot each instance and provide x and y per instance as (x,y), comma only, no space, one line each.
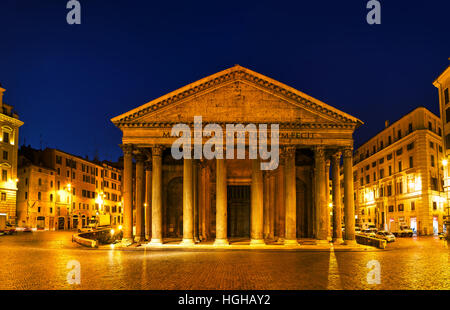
(60,223)
(174,210)
(435,225)
(238,197)
(413,225)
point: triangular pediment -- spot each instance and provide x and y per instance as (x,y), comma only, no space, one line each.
(236,95)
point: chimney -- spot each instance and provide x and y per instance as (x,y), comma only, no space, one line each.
(386,123)
(1,94)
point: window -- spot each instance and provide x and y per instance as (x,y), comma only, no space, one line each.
(381,173)
(413,205)
(410,146)
(430,126)
(446,96)
(399,151)
(432,160)
(4,175)
(374,176)
(26,195)
(401,207)
(431,145)
(367,179)
(389,157)
(391,208)
(39,209)
(374,164)
(409,127)
(434,205)
(399,134)
(440,132)
(381,160)
(389,190)
(51,197)
(389,140)
(3,196)
(39,195)
(362,181)
(6,137)
(5,155)
(390,170)
(447,142)
(40,182)
(400,166)
(411,163)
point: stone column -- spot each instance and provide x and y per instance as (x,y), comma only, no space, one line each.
(127,193)
(267,194)
(257,201)
(195,199)
(280,189)
(327,198)
(188,210)
(271,207)
(140,192)
(157,195)
(349,207)
(221,202)
(337,219)
(321,207)
(148,199)
(290,197)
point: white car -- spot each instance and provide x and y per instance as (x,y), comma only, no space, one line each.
(369,232)
(385,235)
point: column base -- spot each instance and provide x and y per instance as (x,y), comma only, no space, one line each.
(338,241)
(350,242)
(139,239)
(187,242)
(322,242)
(290,242)
(221,242)
(257,242)
(280,239)
(127,241)
(155,242)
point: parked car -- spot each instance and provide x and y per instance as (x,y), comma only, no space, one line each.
(385,235)
(441,235)
(8,229)
(27,229)
(403,231)
(370,232)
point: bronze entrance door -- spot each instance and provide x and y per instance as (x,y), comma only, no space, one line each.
(238,198)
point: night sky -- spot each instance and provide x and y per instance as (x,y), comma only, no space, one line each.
(67,81)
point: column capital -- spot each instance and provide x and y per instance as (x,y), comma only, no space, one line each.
(140,155)
(157,150)
(347,151)
(148,165)
(319,152)
(287,152)
(336,157)
(127,148)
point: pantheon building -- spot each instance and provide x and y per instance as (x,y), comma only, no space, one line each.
(220,200)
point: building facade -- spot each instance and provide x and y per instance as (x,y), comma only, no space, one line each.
(60,191)
(9,140)
(442,83)
(220,198)
(398,175)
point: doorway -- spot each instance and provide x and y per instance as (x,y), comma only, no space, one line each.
(238,197)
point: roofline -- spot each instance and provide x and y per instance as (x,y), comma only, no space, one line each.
(229,70)
(437,81)
(393,123)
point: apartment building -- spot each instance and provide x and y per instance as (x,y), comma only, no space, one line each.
(58,190)
(398,175)
(9,140)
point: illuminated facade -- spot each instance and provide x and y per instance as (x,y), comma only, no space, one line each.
(60,191)
(9,139)
(219,199)
(442,83)
(398,175)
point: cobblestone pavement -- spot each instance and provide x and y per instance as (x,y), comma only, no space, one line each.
(39,260)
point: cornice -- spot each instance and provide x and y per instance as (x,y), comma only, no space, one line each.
(282,126)
(12,120)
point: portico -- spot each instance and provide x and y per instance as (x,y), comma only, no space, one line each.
(220,199)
